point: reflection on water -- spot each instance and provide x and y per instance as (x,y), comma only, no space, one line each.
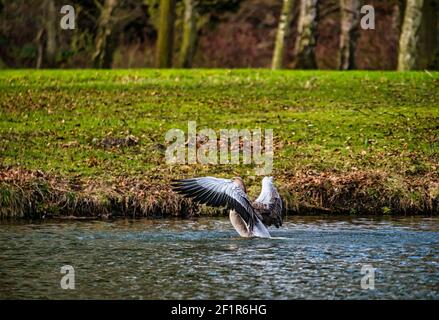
(309,257)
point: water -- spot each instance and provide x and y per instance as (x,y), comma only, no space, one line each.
(308,258)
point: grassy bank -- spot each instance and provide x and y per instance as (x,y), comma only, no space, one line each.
(92,143)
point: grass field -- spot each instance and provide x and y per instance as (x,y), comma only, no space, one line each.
(92,142)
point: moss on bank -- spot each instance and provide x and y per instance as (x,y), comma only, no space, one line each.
(91,143)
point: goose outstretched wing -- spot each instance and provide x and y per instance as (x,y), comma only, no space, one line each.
(217,192)
(268,206)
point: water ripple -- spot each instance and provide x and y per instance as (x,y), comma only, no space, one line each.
(308,258)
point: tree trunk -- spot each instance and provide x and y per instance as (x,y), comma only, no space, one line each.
(40,50)
(103,53)
(307,35)
(350,20)
(188,45)
(436,56)
(166,34)
(408,42)
(50,28)
(429,35)
(400,4)
(282,33)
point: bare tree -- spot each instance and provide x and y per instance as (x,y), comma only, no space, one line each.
(408,42)
(40,49)
(282,33)
(350,20)
(307,35)
(165,39)
(102,56)
(188,46)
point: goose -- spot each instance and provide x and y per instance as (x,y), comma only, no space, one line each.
(250,219)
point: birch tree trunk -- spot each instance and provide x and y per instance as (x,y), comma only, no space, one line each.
(350,20)
(50,28)
(282,33)
(166,34)
(408,42)
(188,46)
(307,35)
(103,53)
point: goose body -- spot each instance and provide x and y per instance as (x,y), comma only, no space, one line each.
(250,219)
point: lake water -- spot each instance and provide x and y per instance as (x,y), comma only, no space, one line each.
(307,258)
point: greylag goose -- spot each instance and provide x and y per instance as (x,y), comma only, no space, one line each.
(249,219)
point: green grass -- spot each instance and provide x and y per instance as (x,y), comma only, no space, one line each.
(322,121)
